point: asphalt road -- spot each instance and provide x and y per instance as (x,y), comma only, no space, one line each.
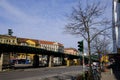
(42,73)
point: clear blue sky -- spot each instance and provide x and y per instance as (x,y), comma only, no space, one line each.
(39,19)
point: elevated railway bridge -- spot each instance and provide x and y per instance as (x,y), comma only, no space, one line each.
(7,49)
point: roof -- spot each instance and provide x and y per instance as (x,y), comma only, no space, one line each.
(46,42)
(49,42)
(24,40)
(70,49)
(8,36)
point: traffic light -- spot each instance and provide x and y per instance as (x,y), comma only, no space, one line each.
(80,46)
(10,32)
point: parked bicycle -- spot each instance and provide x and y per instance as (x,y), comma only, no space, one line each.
(96,72)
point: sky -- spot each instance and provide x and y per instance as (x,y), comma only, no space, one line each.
(40,19)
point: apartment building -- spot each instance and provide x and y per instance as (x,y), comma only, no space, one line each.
(52,46)
(26,42)
(43,44)
(7,39)
(71,51)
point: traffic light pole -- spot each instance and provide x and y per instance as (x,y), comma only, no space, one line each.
(83,65)
(81,49)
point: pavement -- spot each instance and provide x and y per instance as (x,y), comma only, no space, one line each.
(108,75)
(113,73)
(53,73)
(63,76)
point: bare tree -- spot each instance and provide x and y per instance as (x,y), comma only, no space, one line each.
(101,45)
(88,21)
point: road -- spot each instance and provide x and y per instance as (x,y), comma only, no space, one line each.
(42,73)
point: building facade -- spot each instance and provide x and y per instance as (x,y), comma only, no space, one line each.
(52,46)
(26,42)
(6,57)
(23,58)
(6,39)
(71,51)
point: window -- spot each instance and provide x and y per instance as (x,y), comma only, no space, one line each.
(9,41)
(23,44)
(4,41)
(1,40)
(13,41)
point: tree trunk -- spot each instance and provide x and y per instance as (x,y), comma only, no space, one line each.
(90,62)
(89,51)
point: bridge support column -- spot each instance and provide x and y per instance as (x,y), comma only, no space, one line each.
(1,61)
(64,62)
(77,61)
(35,60)
(50,61)
(68,62)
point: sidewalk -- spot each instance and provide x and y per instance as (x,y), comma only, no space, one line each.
(108,75)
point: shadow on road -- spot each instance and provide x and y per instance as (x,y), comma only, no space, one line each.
(27,67)
(63,77)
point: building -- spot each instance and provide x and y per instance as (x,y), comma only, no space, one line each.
(6,39)
(26,42)
(5,58)
(47,45)
(71,51)
(21,58)
(52,46)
